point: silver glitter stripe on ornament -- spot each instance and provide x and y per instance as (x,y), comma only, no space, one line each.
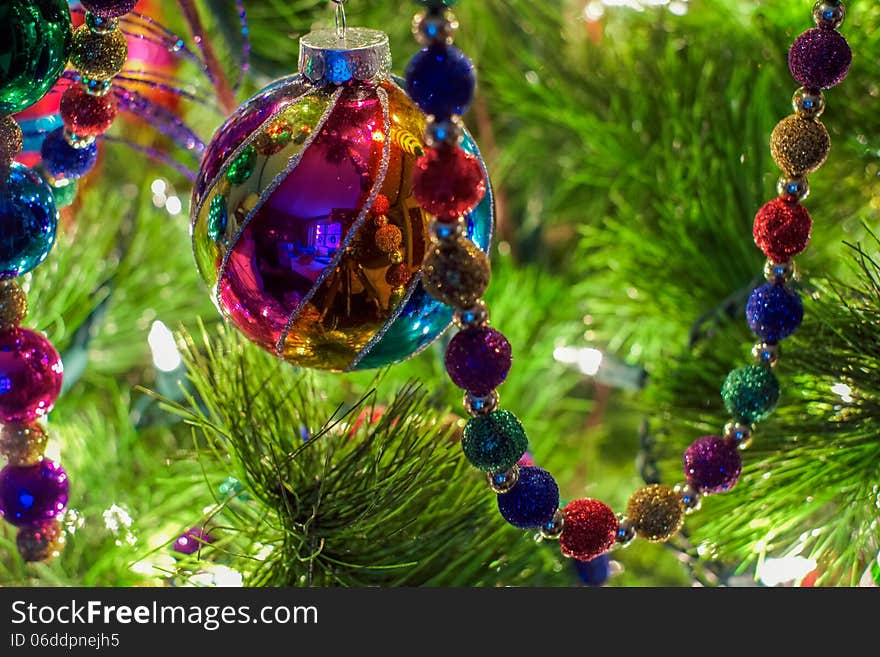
(360,54)
(275,184)
(221,172)
(355,227)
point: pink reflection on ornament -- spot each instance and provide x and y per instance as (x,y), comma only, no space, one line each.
(299,230)
(30,375)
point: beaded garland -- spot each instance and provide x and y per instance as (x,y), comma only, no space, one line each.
(33,489)
(440,80)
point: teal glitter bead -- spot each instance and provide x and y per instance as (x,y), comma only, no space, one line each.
(64,192)
(217,218)
(494,442)
(34,42)
(750,393)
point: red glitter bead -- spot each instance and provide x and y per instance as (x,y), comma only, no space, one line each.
(590,529)
(85,115)
(381,206)
(397,275)
(782,229)
(448,182)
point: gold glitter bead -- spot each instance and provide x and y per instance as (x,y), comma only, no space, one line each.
(799,145)
(40,542)
(656,512)
(13,305)
(456,273)
(388,238)
(11,140)
(98,56)
(23,444)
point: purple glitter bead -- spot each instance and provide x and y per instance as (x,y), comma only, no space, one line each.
(109,8)
(192,540)
(712,464)
(819,58)
(32,494)
(478,360)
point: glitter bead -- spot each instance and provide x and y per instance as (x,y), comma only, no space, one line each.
(799,145)
(40,542)
(388,238)
(456,274)
(750,393)
(192,540)
(656,512)
(782,229)
(28,220)
(30,375)
(242,167)
(494,442)
(64,192)
(86,115)
(62,160)
(34,39)
(478,359)
(32,494)
(819,59)
(13,304)
(109,8)
(448,182)
(440,79)
(712,465)
(11,140)
(594,572)
(398,275)
(217,218)
(590,529)
(774,312)
(23,444)
(98,56)
(532,502)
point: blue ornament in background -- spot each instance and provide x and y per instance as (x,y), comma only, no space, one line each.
(774,312)
(441,81)
(28,221)
(63,161)
(532,502)
(594,572)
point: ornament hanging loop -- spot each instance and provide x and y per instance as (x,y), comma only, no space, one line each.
(339,8)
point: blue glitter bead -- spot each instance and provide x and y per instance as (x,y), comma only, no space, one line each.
(64,161)
(441,81)
(28,220)
(594,572)
(774,312)
(532,502)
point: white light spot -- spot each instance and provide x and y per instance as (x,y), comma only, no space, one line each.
(166,356)
(587,360)
(773,572)
(843,391)
(173,205)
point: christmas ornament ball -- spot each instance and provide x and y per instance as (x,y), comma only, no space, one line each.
(656,512)
(32,494)
(292,208)
(34,44)
(590,529)
(28,221)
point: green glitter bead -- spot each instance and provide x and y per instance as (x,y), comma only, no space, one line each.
(242,167)
(34,42)
(750,393)
(494,442)
(217,218)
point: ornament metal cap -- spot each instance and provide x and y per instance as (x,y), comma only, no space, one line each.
(358,54)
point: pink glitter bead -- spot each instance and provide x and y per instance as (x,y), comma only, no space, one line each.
(30,376)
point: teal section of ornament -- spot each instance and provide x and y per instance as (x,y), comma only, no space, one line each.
(34,43)
(494,442)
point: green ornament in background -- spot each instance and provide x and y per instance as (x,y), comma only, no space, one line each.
(34,40)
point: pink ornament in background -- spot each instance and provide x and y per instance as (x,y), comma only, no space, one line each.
(30,376)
